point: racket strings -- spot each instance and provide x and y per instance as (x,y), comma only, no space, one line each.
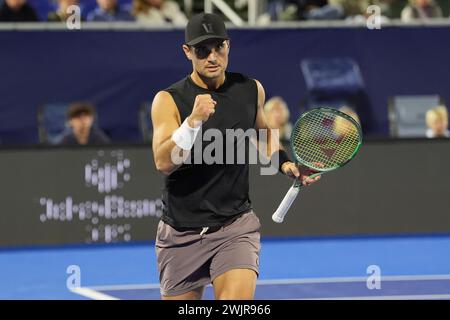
(326,138)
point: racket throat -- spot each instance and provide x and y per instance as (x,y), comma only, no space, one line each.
(297,183)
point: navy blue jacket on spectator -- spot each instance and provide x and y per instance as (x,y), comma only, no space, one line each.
(96,136)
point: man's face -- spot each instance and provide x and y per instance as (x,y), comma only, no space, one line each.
(15,5)
(209,58)
(82,123)
(107,4)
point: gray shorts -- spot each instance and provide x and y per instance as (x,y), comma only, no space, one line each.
(188,260)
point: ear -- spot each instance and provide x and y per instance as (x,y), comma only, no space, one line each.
(187,52)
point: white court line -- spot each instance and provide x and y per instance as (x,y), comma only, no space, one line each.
(92,294)
(126,287)
(289,281)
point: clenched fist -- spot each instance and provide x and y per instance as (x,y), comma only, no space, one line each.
(204,106)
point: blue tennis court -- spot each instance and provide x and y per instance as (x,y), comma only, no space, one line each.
(325,268)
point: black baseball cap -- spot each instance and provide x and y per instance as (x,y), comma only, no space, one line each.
(204,26)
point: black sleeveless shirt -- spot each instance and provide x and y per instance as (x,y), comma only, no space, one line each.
(209,195)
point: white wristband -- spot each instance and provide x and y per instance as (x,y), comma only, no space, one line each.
(184,136)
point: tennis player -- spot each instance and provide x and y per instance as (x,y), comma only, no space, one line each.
(208,232)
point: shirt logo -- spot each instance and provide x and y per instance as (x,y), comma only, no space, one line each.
(208,27)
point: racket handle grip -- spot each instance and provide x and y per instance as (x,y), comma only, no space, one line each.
(284,206)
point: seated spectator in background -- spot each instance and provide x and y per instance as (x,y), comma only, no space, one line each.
(109,10)
(356,10)
(421,9)
(279,10)
(61,12)
(286,10)
(341,126)
(158,12)
(349,111)
(437,123)
(81,116)
(318,10)
(17,11)
(277,116)
(351,7)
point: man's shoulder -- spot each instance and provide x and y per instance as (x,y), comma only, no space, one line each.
(239,80)
(179,85)
(237,77)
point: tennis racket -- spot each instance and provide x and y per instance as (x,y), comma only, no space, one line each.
(323,139)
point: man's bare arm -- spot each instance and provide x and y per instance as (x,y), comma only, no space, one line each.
(273,143)
(261,123)
(165,119)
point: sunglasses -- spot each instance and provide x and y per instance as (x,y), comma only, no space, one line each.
(203,51)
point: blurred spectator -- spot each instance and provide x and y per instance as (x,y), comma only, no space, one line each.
(109,10)
(81,116)
(279,10)
(356,10)
(17,11)
(421,9)
(286,10)
(349,111)
(437,123)
(277,116)
(341,127)
(351,7)
(158,12)
(325,9)
(318,10)
(61,13)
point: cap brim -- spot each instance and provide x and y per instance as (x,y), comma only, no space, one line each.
(204,38)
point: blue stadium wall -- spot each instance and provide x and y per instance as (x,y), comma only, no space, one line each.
(119,70)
